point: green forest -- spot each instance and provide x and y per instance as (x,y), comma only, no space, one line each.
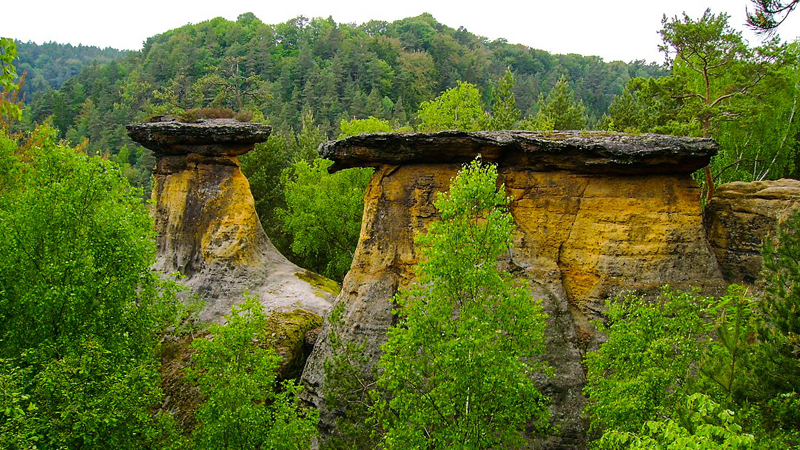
(84,317)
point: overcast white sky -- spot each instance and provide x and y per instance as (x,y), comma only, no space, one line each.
(613,29)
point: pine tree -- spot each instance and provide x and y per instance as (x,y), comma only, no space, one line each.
(504,111)
(559,111)
(780,329)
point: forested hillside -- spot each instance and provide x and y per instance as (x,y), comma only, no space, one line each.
(50,64)
(308,77)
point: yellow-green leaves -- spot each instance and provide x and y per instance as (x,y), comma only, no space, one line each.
(457,367)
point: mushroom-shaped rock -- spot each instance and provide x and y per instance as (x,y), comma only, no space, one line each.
(597,214)
(206,223)
(210,137)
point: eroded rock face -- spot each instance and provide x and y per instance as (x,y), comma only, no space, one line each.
(596,214)
(740,217)
(207,225)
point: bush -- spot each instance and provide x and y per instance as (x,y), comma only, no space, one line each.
(649,362)
(243,407)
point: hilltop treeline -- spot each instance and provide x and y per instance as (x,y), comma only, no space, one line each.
(50,65)
(330,70)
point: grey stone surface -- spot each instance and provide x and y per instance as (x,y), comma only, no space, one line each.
(578,151)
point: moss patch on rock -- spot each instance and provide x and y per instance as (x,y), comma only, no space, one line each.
(286,334)
(319,282)
(181,398)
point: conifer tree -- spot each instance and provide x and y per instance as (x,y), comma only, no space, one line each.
(504,111)
(780,329)
(559,111)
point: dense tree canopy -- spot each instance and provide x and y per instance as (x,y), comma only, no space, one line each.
(50,65)
(82,311)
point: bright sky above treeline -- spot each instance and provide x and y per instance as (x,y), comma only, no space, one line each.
(614,29)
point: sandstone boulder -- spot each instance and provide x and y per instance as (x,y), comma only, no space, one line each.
(739,218)
(597,214)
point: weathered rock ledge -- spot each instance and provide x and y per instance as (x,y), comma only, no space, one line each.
(206,223)
(597,214)
(578,151)
(210,137)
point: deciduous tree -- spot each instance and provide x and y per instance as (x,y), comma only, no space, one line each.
(244,407)
(458,108)
(456,369)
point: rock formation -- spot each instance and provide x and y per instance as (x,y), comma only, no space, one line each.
(740,217)
(597,214)
(206,223)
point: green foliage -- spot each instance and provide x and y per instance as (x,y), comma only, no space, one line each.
(286,71)
(744,97)
(762,142)
(713,65)
(646,106)
(691,372)
(8,52)
(728,360)
(15,409)
(75,260)
(648,364)
(8,75)
(458,108)
(263,168)
(770,14)
(323,214)
(243,407)
(780,307)
(710,427)
(81,309)
(349,390)
(89,398)
(457,367)
(227,85)
(368,125)
(559,111)
(49,65)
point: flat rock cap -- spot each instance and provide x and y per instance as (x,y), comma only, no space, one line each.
(212,137)
(579,151)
